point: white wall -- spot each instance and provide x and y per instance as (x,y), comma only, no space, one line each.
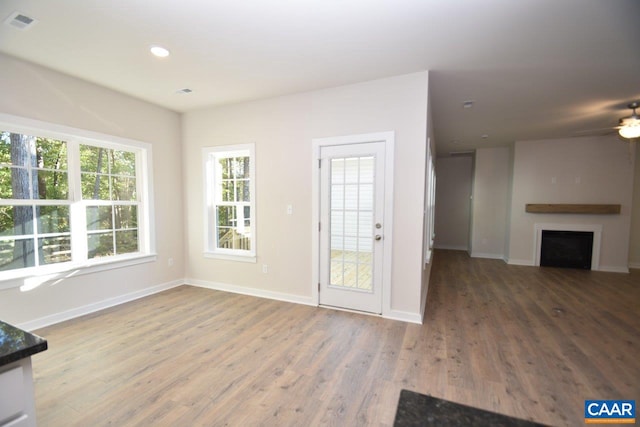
(38,93)
(453,203)
(634,244)
(490,202)
(282,129)
(576,170)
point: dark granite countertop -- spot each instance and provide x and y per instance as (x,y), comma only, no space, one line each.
(16,344)
(415,409)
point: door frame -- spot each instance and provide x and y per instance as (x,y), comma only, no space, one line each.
(388,138)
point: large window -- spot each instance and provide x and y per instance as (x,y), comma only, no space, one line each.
(69,201)
(230,202)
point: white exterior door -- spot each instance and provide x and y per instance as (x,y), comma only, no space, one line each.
(352,241)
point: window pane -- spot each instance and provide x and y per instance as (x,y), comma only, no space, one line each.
(123,188)
(126,241)
(16,220)
(15,183)
(225,237)
(53,219)
(100,245)
(225,167)
(227,191)
(16,254)
(51,184)
(247,216)
(94,159)
(351,170)
(337,171)
(55,249)
(99,218)
(52,154)
(5,147)
(123,163)
(351,196)
(241,169)
(242,191)
(366,169)
(18,149)
(366,196)
(226,216)
(125,217)
(95,186)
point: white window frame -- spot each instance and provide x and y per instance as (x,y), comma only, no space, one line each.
(80,263)
(210,156)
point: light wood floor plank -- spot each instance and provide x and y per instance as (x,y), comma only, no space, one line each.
(528,342)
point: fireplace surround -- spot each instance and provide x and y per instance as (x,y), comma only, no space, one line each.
(596,229)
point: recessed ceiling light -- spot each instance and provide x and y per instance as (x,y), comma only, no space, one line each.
(467,104)
(485,136)
(184,91)
(159,51)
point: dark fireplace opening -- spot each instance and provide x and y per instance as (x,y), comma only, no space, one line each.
(567,249)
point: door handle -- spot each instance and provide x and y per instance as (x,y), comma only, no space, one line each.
(378,237)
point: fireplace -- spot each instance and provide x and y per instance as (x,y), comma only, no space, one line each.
(568,245)
(566,249)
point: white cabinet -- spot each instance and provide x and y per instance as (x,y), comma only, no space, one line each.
(17,406)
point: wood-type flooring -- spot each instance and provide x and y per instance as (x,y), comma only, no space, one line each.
(528,342)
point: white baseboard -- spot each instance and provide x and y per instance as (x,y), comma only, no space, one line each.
(613,269)
(96,306)
(451,247)
(487,255)
(528,262)
(279,296)
(403,316)
(634,265)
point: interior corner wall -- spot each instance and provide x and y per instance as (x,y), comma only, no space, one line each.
(453,203)
(507,225)
(34,92)
(634,244)
(591,170)
(490,202)
(282,129)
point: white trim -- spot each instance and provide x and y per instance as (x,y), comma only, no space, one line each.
(597,239)
(403,316)
(260,293)
(96,306)
(526,262)
(634,265)
(144,187)
(389,142)
(612,269)
(209,184)
(31,280)
(487,255)
(452,247)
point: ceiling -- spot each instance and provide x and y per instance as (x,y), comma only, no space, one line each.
(535,69)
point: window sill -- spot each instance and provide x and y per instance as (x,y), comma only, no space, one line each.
(230,257)
(27,280)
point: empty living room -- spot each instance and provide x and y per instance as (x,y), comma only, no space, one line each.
(346,213)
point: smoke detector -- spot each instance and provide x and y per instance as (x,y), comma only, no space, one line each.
(20,21)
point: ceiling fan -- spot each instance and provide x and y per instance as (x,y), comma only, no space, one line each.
(628,128)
